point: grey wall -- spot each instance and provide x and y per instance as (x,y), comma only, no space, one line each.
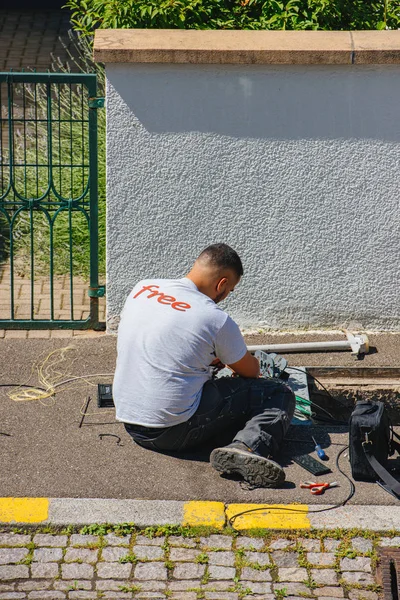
(296,167)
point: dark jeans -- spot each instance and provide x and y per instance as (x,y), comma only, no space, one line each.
(262,408)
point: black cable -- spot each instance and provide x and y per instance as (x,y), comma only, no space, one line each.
(319,510)
(323,387)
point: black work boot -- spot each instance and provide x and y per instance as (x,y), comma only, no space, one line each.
(254,468)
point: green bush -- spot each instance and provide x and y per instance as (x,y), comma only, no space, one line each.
(87,15)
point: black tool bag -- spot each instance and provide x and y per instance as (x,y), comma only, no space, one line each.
(371,443)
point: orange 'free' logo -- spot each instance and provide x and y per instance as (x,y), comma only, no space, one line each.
(163,298)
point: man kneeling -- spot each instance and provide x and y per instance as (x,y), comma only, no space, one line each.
(170,335)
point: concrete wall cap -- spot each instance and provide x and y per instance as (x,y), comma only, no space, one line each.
(246,47)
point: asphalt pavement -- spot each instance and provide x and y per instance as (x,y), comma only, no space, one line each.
(46,453)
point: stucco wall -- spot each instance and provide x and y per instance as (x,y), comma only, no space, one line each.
(296,167)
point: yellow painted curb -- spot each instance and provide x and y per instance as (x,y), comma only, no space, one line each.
(273,517)
(24,510)
(211,514)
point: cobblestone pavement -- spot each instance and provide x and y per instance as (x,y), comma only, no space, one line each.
(41,294)
(27,37)
(217,567)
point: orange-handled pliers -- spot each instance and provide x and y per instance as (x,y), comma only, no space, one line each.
(318,488)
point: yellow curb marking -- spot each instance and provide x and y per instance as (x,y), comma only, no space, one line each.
(204,513)
(24,510)
(273,517)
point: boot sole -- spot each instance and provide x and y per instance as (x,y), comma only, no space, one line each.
(256,470)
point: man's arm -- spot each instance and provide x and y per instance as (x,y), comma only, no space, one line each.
(248,366)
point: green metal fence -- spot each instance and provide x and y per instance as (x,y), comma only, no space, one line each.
(48,198)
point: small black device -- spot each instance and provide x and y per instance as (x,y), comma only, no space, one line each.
(311,464)
(104,395)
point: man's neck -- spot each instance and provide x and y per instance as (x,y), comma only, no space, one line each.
(204,289)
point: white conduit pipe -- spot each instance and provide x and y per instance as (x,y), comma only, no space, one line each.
(358,344)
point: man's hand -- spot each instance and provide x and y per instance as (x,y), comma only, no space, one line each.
(217,364)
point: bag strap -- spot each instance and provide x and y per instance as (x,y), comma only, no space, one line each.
(379,469)
(395,445)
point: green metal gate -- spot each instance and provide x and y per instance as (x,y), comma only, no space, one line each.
(48,200)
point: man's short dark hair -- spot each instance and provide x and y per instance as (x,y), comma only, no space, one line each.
(223,256)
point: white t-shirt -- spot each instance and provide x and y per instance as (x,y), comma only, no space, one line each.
(168,335)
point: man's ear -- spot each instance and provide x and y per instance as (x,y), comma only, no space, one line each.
(221,284)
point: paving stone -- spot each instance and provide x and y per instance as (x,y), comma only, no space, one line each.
(281,544)
(261,558)
(292,574)
(149,552)
(184,596)
(183,554)
(367,595)
(177,540)
(250,543)
(50,595)
(217,586)
(180,586)
(257,587)
(285,559)
(7,587)
(12,555)
(85,555)
(14,539)
(249,574)
(330,597)
(77,539)
(120,595)
(224,559)
(334,592)
(115,540)
(310,545)
(66,585)
(188,571)
(222,542)
(151,586)
(143,540)
(44,570)
(361,578)
(263,597)
(356,564)
(322,559)
(14,572)
(151,570)
(110,585)
(331,545)
(52,541)
(45,555)
(114,570)
(216,572)
(155,595)
(361,544)
(76,571)
(292,589)
(83,595)
(29,586)
(395,541)
(12,595)
(221,596)
(114,553)
(324,576)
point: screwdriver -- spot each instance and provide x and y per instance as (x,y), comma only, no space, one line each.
(319,451)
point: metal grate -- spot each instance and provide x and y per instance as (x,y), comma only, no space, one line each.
(48,197)
(389,572)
